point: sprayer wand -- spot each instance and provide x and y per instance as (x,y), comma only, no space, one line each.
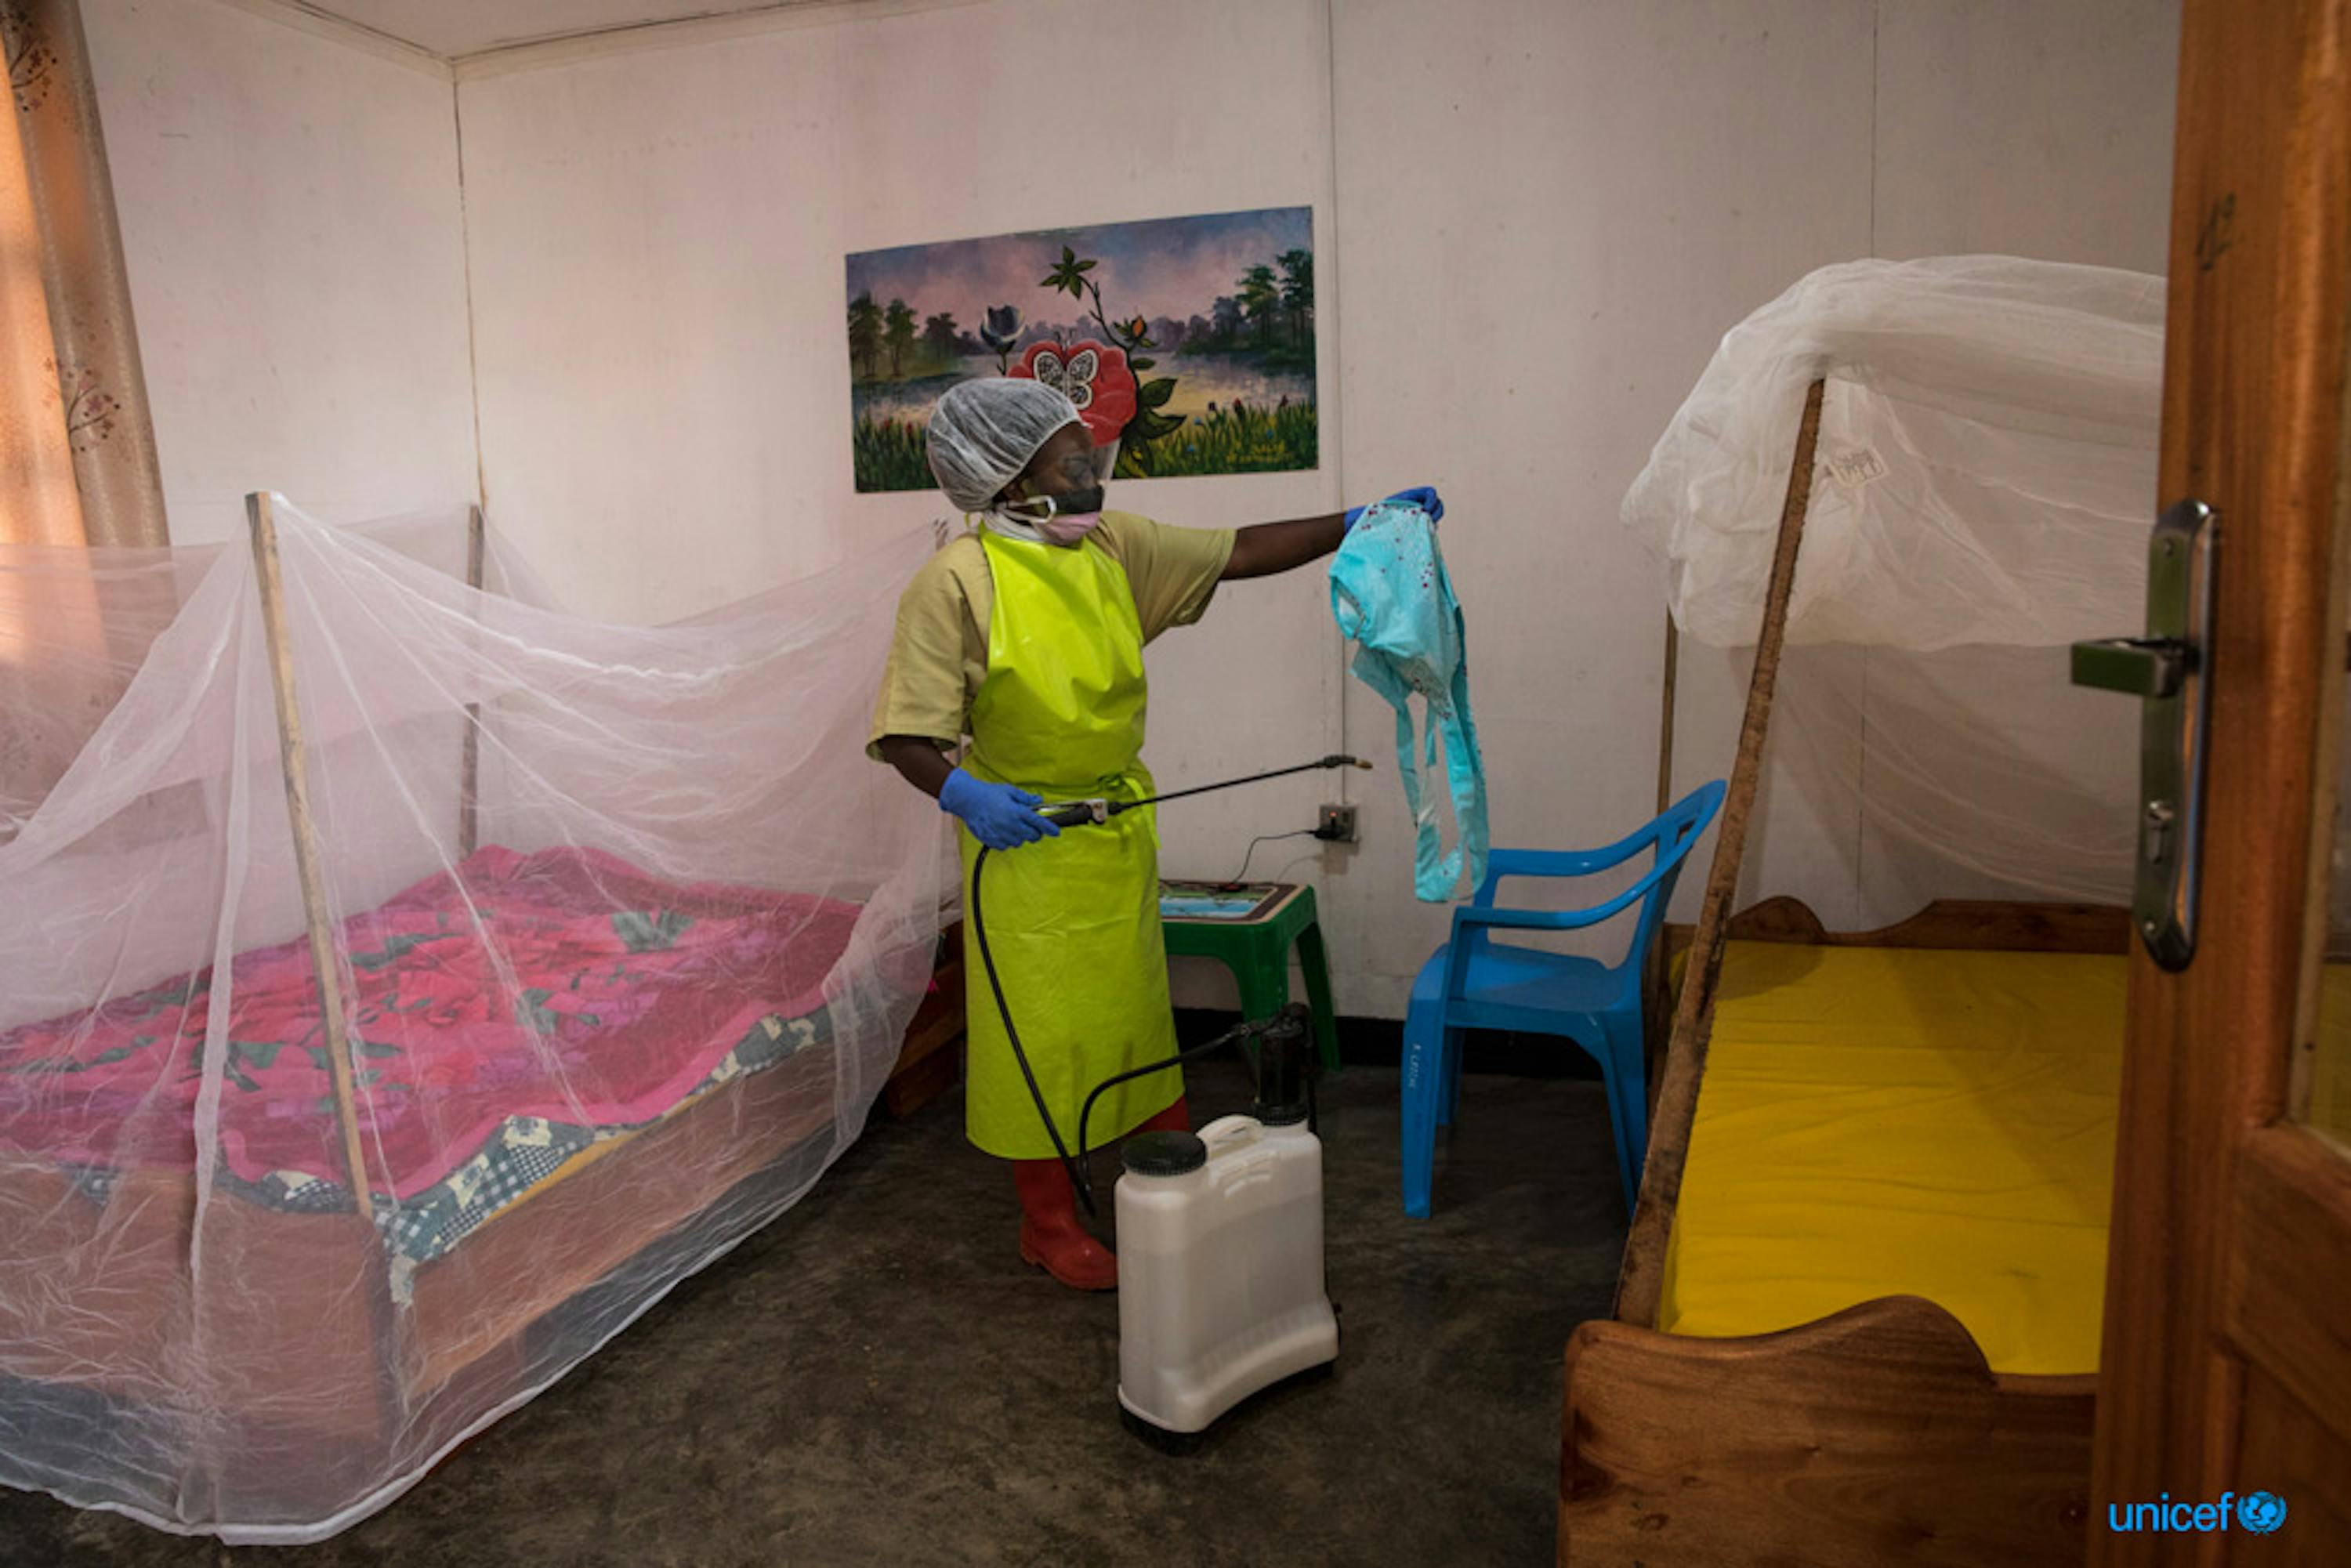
(1076,813)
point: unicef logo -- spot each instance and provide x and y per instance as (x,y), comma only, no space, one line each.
(2260,1511)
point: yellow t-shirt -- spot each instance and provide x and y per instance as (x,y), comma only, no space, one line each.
(940,653)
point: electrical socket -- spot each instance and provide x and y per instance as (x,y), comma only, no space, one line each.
(1335,824)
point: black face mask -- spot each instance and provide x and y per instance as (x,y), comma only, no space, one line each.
(1067,503)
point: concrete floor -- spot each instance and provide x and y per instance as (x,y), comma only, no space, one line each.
(876,1378)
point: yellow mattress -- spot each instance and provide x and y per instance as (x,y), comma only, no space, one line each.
(1876,1122)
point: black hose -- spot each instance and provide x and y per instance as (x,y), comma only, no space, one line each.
(1162,1065)
(987,959)
(1080,1175)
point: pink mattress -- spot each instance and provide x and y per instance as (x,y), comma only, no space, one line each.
(601,997)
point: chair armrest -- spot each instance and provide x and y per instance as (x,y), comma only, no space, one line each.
(1558,863)
(1546,862)
(1565,919)
(1470,916)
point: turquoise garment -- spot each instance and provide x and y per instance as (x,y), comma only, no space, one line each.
(1392,596)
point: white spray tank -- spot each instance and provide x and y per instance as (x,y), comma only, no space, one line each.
(1220,1287)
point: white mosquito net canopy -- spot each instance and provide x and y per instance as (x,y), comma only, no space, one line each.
(1984,487)
(620,934)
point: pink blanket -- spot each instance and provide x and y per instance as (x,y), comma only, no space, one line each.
(564,985)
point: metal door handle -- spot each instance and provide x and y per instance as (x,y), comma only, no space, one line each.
(2169,669)
(2135,666)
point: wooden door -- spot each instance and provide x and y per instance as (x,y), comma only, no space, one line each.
(2227,1363)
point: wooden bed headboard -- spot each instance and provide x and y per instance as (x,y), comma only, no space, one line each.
(1985,926)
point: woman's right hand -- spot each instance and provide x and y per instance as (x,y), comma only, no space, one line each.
(1000,816)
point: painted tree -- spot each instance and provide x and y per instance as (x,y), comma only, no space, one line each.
(942,336)
(1260,300)
(898,335)
(864,337)
(1297,292)
(1228,319)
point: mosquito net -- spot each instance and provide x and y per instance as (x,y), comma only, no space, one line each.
(620,933)
(1984,485)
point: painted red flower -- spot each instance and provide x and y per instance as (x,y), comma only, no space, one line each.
(1092,375)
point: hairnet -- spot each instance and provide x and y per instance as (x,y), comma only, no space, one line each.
(984,431)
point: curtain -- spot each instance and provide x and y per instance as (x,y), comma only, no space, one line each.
(39,502)
(77,446)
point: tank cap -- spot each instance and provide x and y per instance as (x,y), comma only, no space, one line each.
(1163,1153)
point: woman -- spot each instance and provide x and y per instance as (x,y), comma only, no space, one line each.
(1027,636)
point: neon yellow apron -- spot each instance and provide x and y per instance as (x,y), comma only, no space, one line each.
(1074,921)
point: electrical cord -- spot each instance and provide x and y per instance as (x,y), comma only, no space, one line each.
(1241,876)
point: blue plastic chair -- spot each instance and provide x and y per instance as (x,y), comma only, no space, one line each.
(1474,982)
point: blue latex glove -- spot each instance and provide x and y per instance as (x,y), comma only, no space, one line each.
(1424,497)
(999,815)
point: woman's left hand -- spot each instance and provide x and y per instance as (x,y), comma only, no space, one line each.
(1423,497)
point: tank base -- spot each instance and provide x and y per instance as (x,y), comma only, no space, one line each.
(1183,1445)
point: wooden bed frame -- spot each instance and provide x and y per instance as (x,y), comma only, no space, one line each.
(1877,1435)
(356,1373)
(927,1066)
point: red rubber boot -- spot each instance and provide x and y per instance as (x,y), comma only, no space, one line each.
(1051,1235)
(1176,1118)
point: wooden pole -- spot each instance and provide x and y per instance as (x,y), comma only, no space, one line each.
(261,518)
(1666,722)
(1656,982)
(1639,1283)
(469,768)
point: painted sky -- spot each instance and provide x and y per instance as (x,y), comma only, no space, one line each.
(1164,267)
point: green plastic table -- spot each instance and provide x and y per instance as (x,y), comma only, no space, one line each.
(1257,950)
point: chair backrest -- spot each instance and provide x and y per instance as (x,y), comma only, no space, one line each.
(1677,832)
(1669,837)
